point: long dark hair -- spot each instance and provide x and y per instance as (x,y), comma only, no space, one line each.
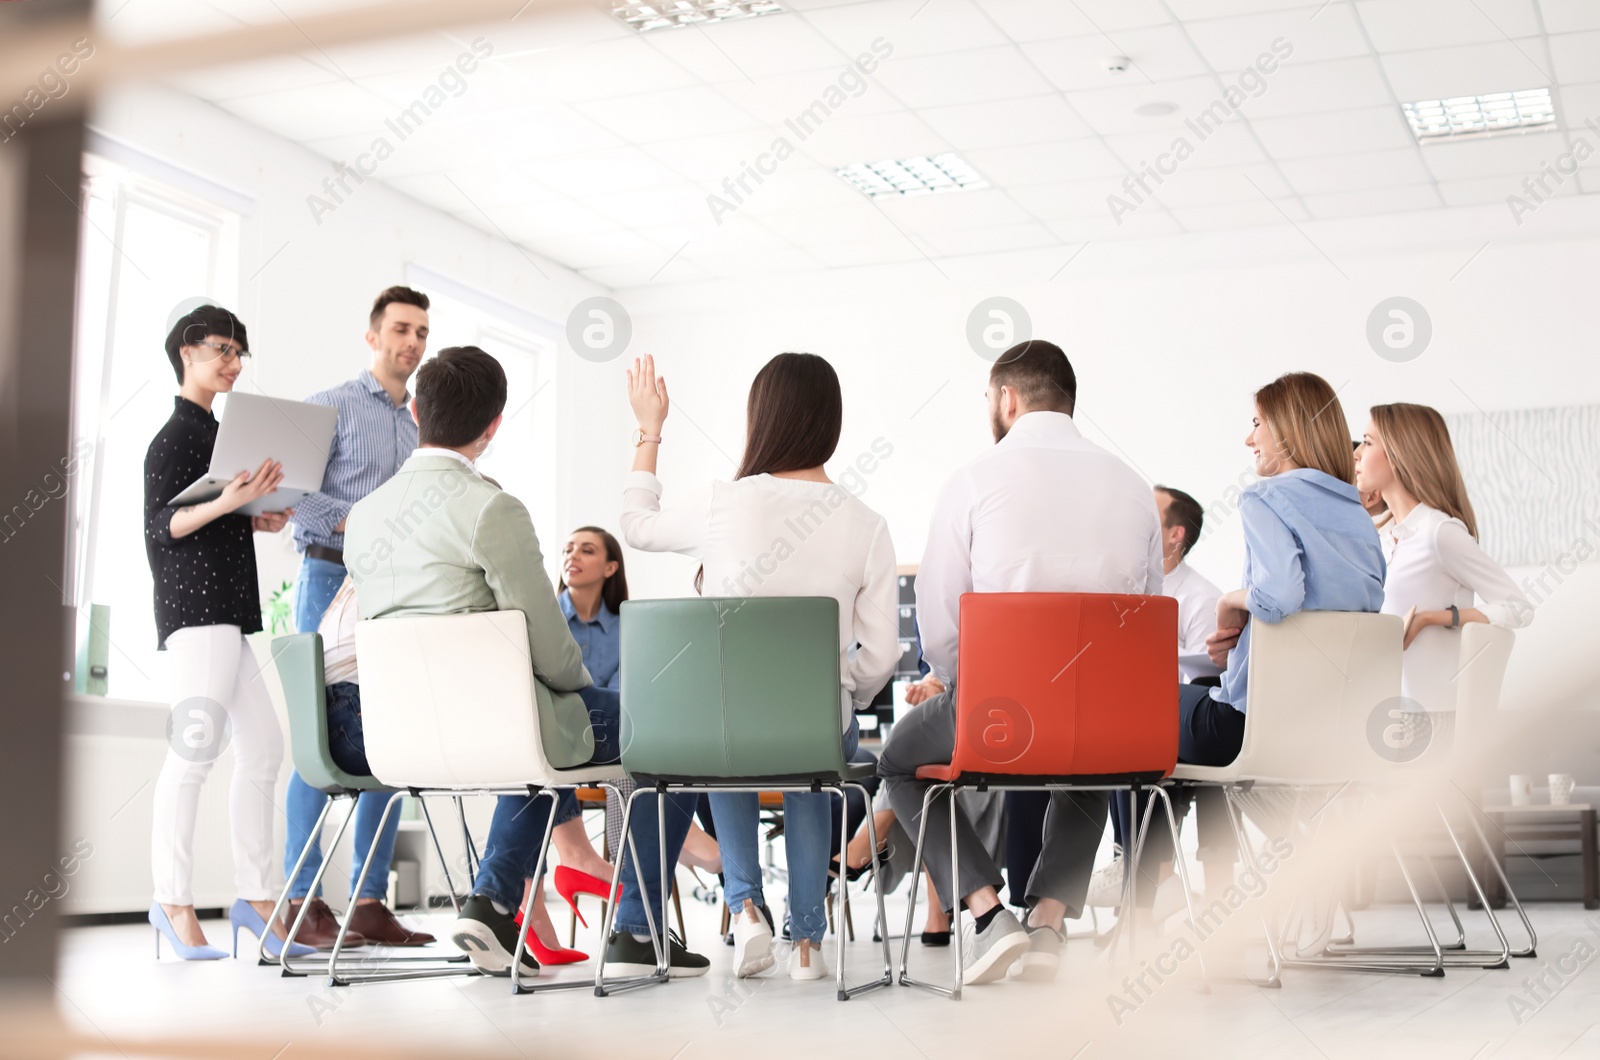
(793,417)
(615,589)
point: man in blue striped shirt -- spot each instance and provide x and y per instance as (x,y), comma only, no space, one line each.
(374,436)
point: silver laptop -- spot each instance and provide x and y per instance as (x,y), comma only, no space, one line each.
(255,428)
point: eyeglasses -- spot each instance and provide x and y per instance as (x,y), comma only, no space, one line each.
(226,350)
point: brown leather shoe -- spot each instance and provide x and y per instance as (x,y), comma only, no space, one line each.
(374,921)
(321,928)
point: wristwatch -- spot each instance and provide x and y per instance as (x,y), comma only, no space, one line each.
(1455,617)
(639,437)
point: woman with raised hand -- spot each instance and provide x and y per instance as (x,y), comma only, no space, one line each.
(1436,569)
(794,415)
(203,563)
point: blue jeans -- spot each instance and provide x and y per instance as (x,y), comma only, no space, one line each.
(517,830)
(315,587)
(807,842)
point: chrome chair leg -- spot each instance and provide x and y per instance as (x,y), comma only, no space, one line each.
(934,790)
(262,958)
(1183,875)
(887,979)
(609,920)
(438,848)
(1532,949)
(1274,979)
(955,899)
(305,906)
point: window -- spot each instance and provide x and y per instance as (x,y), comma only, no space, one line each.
(522,457)
(145,247)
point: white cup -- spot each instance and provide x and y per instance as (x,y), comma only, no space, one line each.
(1521,789)
(1561,785)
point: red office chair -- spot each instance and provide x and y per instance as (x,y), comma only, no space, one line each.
(1056,691)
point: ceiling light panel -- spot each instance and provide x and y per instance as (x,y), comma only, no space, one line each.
(1442,119)
(674,14)
(913,176)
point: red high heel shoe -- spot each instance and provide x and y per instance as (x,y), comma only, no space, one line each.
(546,956)
(570,883)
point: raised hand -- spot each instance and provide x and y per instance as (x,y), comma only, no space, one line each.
(648,395)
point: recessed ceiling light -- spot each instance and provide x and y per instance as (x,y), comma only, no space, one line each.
(1439,119)
(913,176)
(672,14)
(1158,109)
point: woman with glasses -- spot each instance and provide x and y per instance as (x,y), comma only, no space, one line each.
(203,563)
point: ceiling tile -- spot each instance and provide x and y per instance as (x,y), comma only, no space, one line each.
(669,115)
(683,203)
(1373,169)
(488,186)
(1231,44)
(713,158)
(865,252)
(1191,10)
(748,50)
(1239,215)
(1006,124)
(984,74)
(618,277)
(874,137)
(1111,110)
(754,262)
(1212,187)
(1229,145)
(1499,189)
(834,224)
(1028,20)
(1334,132)
(1577,105)
(1577,56)
(910,27)
(1046,163)
(1160,53)
(1308,88)
(1069,199)
(316,112)
(532,223)
(599,172)
(991,240)
(538,132)
(1372,201)
(920,214)
(601,70)
(1566,16)
(1146,222)
(1508,154)
(1417,24)
(736,233)
(1468,70)
(600,249)
(798,184)
(424,56)
(805,98)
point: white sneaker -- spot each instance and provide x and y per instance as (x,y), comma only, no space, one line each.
(817,969)
(1105,886)
(752,946)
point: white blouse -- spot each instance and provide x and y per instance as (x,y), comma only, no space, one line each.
(1434,562)
(766,536)
(1197,611)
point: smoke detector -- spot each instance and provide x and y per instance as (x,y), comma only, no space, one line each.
(1117,64)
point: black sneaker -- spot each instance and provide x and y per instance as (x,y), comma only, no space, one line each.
(489,937)
(627,956)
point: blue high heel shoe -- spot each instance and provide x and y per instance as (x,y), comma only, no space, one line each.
(244,915)
(163,926)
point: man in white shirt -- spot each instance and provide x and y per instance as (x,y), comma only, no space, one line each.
(1045,510)
(1181,521)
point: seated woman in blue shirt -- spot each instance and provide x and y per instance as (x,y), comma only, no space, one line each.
(1309,546)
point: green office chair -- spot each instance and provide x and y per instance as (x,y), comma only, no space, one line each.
(736,695)
(298,659)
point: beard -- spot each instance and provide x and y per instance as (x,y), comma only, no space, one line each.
(996,425)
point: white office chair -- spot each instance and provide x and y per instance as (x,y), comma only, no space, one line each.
(449,705)
(1479,666)
(1315,679)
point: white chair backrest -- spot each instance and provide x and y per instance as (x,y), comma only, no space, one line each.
(1316,679)
(448,701)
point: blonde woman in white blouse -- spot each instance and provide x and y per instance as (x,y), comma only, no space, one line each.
(1437,572)
(782,527)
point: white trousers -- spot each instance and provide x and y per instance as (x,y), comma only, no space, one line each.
(218,698)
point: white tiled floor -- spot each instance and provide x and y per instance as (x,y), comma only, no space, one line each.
(110,986)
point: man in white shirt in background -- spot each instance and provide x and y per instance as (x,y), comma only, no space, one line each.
(1045,510)
(1181,520)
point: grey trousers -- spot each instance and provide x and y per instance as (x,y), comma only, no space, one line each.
(1073,826)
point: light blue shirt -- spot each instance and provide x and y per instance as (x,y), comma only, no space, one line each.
(372,439)
(600,641)
(1308,546)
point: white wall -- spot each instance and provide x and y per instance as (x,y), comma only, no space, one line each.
(1169,338)
(305,287)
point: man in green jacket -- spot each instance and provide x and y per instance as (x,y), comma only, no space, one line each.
(440,539)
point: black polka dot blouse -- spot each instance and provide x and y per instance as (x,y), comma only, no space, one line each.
(209,577)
